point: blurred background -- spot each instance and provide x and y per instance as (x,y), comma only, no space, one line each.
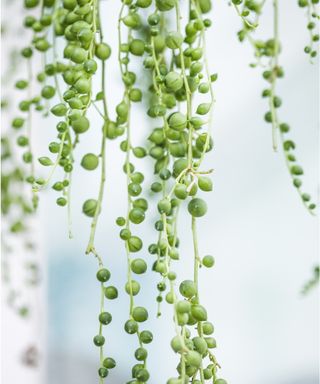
(264,241)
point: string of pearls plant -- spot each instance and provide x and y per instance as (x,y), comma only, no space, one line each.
(166,39)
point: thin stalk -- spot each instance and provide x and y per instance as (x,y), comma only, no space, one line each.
(244,19)
(29,119)
(188,92)
(91,247)
(275,125)
(129,204)
(197,262)
(100,330)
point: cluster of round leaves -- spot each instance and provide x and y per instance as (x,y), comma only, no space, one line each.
(170,148)
(76,22)
(194,349)
(313,16)
(39,44)
(171,88)
(167,208)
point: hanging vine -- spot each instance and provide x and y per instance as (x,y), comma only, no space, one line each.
(312,14)
(267,54)
(166,40)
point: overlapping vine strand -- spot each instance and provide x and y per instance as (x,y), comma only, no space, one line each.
(178,148)
(129,47)
(167,38)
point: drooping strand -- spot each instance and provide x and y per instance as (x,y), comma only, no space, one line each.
(267,54)
(311,8)
(130,47)
(178,148)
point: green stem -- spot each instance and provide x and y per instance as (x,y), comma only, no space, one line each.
(244,19)
(100,330)
(29,125)
(212,97)
(275,124)
(188,92)
(197,262)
